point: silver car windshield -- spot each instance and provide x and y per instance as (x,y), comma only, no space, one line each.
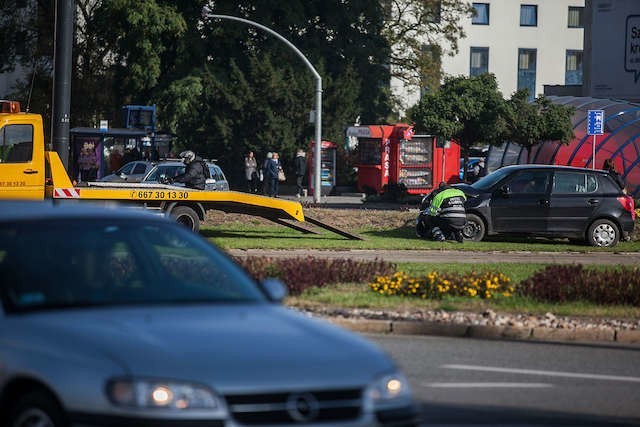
(89,262)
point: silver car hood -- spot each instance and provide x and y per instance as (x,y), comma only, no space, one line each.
(229,347)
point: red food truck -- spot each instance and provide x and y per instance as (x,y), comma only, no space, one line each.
(388,155)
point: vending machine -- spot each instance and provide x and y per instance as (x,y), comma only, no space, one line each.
(328,154)
(393,155)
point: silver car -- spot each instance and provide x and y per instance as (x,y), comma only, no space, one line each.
(170,169)
(120,317)
(131,172)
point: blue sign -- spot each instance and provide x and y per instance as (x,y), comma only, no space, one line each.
(595,125)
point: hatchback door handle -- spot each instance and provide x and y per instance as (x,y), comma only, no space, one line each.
(29,171)
(593,201)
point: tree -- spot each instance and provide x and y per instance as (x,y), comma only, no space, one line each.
(530,123)
(419,33)
(469,110)
(221,87)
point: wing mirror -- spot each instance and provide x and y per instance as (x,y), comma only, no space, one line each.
(505,190)
(275,289)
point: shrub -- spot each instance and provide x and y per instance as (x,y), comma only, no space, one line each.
(299,274)
(561,283)
(435,285)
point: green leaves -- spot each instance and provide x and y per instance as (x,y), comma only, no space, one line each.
(530,123)
(471,110)
(467,109)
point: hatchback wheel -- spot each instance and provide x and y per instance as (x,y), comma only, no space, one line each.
(36,409)
(474,229)
(603,233)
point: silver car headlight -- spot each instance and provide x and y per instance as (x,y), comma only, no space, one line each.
(160,394)
(388,391)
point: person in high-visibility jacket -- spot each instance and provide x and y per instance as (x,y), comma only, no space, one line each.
(447,213)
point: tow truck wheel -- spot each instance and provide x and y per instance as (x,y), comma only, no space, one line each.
(186,216)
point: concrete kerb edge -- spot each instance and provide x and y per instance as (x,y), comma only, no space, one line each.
(404,327)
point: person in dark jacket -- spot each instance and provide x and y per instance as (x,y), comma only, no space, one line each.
(300,164)
(447,213)
(273,169)
(610,167)
(194,175)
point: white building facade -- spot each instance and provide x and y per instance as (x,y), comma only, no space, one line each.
(525,43)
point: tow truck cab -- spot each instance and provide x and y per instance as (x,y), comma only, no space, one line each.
(22,153)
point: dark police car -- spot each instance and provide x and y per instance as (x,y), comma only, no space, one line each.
(552,201)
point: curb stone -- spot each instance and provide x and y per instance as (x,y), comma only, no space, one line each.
(404,327)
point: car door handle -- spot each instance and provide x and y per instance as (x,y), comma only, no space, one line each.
(593,201)
(543,202)
(29,171)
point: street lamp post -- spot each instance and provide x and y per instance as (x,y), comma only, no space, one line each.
(318,117)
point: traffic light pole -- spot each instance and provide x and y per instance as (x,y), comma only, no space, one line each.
(60,114)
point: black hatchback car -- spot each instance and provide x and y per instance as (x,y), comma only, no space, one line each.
(553,201)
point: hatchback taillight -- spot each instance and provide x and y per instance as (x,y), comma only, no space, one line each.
(627,204)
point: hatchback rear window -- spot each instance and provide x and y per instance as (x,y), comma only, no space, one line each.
(574,183)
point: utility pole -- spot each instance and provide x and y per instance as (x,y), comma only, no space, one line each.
(62,59)
(318,111)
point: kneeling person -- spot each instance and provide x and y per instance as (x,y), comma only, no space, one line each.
(447,213)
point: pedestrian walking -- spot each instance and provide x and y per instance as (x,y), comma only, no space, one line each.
(300,164)
(251,172)
(265,173)
(273,171)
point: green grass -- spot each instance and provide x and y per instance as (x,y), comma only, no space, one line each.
(254,236)
(359,295)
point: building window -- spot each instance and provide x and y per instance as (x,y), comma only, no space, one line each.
(479,61)
(573,73)
(528,15)
(481,16)
(576,17)
(527,71)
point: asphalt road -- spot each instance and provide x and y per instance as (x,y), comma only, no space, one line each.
(471,382)
(449,256)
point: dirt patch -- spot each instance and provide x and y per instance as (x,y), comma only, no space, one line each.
(349,219)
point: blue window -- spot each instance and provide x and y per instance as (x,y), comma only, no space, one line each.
(573,71)
(528,15)
(481,16)
(479,61)
(527,71)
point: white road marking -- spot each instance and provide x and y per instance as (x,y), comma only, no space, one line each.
(544,373)
(487,385)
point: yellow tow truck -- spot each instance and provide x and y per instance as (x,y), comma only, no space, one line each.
(29,171)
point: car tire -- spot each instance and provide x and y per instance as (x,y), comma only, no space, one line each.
(474,229)
(603,233)
(186,216)
(36,408)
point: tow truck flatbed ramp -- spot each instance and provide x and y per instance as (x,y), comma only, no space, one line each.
(280,211)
